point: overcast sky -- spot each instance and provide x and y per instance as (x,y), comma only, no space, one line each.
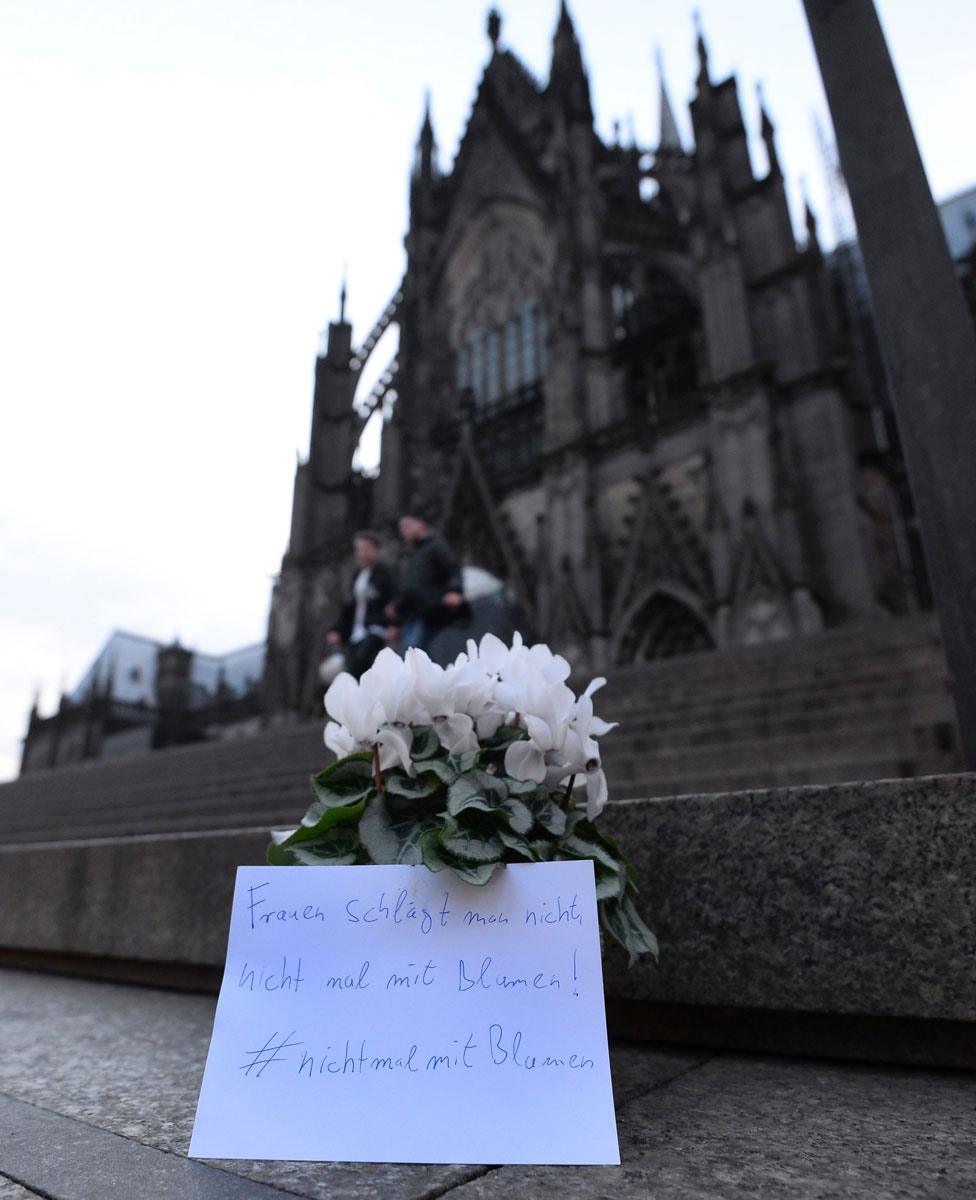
(182,182)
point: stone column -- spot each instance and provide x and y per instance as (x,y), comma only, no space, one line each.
(924,329)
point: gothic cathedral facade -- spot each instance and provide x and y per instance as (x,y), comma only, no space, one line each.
(621,387)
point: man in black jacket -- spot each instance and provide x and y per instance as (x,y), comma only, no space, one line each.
(431,594)
(362,625)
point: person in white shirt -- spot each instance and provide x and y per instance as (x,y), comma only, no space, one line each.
(361,627)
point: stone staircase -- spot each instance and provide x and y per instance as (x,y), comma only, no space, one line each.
(824,919)
(857,704)
(869,702)
(261,781)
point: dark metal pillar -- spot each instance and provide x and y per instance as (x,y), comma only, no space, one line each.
(924,329)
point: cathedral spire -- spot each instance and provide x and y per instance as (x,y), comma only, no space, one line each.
(425,165)
(768,131)
(669,138)
(567,75)
(342,297)
(704,79)
(494,28)
(809,219)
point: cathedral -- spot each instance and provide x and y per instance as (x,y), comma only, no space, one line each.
(623,386)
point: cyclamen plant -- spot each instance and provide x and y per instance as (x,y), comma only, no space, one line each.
(466,768)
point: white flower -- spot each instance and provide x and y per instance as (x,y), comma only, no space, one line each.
(581,752)
(434,689)
(466,702)
(377,711)
(474,693)
(548,710)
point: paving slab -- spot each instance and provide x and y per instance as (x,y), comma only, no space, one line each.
(9,1190)
(129,1060)
(100,1081)
(750,1128)
(71,1160)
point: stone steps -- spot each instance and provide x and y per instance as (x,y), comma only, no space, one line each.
(849,645)
(846,705)
(746,677)
(876,734)
(653,732)
(692,782)
(836,688)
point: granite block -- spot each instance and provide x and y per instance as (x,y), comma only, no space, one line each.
(163,898)
(849,898)
(853,898)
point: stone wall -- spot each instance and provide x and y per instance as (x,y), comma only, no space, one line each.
(851,900)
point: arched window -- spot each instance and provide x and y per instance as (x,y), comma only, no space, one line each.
(661,628)
(511,358)
(530,358)
(463,368)
(492,369)
(477,365)
(499,364)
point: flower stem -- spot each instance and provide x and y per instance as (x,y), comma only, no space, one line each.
(376,770)
(568,798)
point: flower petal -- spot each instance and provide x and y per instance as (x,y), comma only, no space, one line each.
(339,740)
(524,760)
(596,794)
(342,697)
(456,733)
(394,749)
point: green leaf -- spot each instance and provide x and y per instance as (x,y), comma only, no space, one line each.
(425,743)
(622,921)
(463,762)
(550,816)
(527,789)
(430,848)
(438,858)
(339,848)
(464,793)
(279,856)
(503,737)
(580,848)
(476,873)
(519,815)
(424,783)
(611,885)
(590,830)
(327,819)
(345,781)
(477,790)
(574,818)
(469,845)
(516,844)
(442,768)
(543,849)
(387,840)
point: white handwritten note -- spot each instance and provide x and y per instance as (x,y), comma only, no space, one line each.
(390,1014)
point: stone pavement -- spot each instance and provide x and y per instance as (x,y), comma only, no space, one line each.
(98,1086)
